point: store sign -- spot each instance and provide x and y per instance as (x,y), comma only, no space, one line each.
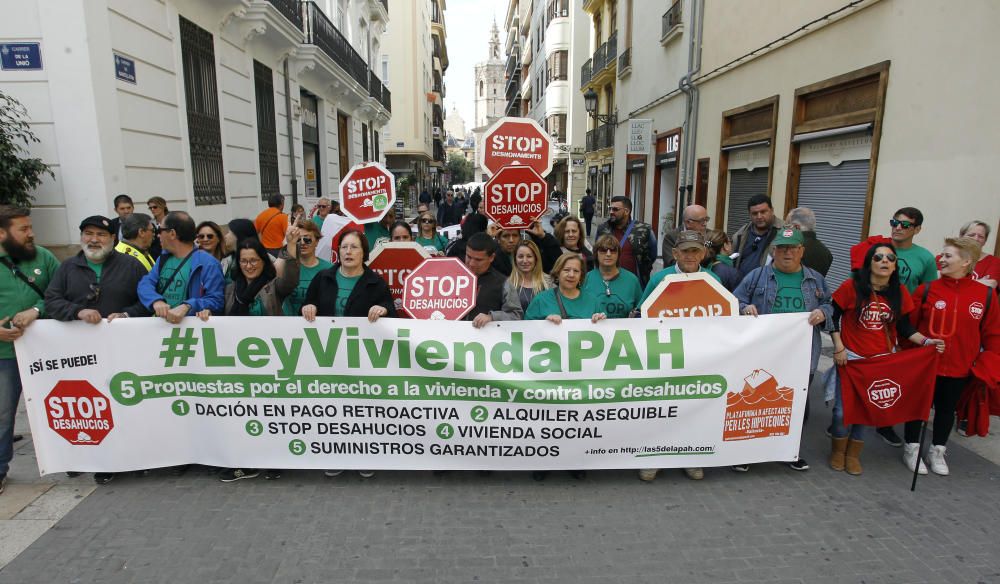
(21,56)
(640,136)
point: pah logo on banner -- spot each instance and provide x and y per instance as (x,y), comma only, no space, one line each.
(884,393)
(760,410)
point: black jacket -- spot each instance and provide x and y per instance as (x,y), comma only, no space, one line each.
(490,294)
(74,287)
(369,291)
(817,256)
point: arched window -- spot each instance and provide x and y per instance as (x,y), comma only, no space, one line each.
(480,88)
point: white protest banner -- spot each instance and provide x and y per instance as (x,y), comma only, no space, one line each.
(274,392)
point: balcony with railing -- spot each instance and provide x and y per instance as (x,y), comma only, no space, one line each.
(322,33)
(374,86)
(601,137)
(289,9)
(600,58)
(586,73)
(625,62)
(672,23)
(612,50)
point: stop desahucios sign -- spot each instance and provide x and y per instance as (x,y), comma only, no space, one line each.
(439,289)
(78,412)
(697,294)
(515,196)
(394,262)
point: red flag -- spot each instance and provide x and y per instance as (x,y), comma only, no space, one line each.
(889,389)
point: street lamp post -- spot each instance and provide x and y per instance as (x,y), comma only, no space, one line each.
(590,104)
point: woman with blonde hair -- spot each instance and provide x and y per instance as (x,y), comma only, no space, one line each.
(428,236)
(527,279)
(987,270)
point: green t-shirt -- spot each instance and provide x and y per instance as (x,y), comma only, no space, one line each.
(658,277)
(292,306)
(16,296)
(98,268)
(257,308)
(544,305)
(724,259)
(376,234)
(616,297)
(176,293)
(916,266)
(345,286)
(437,243)
(318,221)
(789,293)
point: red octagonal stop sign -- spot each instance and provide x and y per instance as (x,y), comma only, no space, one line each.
(395,261)
(439,289)
(367,192)
(515,196)
(78,412)
(516,140)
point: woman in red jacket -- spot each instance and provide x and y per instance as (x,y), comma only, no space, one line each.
(959,310)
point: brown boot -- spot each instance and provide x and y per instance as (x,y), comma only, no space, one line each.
(838,446)
(852,459)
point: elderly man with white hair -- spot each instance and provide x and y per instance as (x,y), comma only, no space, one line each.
(816,255)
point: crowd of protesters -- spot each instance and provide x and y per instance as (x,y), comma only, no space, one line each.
(164,265)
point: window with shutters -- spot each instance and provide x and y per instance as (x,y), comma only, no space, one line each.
(267,131)
(557,67)
(202,101)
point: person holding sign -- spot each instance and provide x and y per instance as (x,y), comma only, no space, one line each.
(349,288)
(869,313)
(565,300)
(617,291)
(527,279)
(784,286)
(309,265)
(689,251)
(257,290)
(962,311)
(428,235)
(493,299)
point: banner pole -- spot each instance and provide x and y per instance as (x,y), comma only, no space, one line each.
(920,448)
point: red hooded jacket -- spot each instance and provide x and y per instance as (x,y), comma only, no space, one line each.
(955,309)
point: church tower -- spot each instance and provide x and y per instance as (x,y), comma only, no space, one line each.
(490,98)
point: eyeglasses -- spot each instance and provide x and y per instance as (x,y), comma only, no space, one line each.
(151,207)
(884,256)
(900,223)
(606,250)
(208,236)
(306,241)
(427,221)
(249,262)
(95,293)
(607,288)
(616,209)
(322,206)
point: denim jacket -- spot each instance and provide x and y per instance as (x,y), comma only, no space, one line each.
(760,289)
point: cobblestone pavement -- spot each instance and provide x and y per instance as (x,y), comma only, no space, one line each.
(769,525)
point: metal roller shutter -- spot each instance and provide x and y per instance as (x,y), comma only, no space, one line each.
(837,195)
(743,184)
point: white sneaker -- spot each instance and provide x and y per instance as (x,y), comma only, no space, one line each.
(935,460)
(333,472)
(648,474)
(911,457)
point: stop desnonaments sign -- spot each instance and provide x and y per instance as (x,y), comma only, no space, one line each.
(516,141)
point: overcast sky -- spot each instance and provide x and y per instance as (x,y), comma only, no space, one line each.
(467,25)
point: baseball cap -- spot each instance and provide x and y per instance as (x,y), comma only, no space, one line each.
(788,236)
(689,240)
(96,221)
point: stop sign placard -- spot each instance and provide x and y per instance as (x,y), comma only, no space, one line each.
(697,294)
(516,141)
(395,261)
(78,412)
(367,192)
(439,289)
(515,196)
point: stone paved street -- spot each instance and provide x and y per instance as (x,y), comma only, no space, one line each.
(769,525)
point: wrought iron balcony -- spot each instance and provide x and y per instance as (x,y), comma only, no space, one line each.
(374,86)
(625,60)
(591,140)
(671,18)
(605,136)
(600,58)
(321,32)
(289,9)
(612,50)
(586,73)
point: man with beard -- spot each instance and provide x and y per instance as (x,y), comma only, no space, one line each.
(97,283)
(25,272)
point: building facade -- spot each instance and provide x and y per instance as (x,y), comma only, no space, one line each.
(213,107)
(853,109)
(598,76)
(489,92)
(417,58)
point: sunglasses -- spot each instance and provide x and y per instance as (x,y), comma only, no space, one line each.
(606,250)
(208,236)
(884,256)
(322,206)
(903,224)
(615,209)
(427,221)
(95,293)
(306,241)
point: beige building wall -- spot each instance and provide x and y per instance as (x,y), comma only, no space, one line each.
(407,44)
(938,149)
